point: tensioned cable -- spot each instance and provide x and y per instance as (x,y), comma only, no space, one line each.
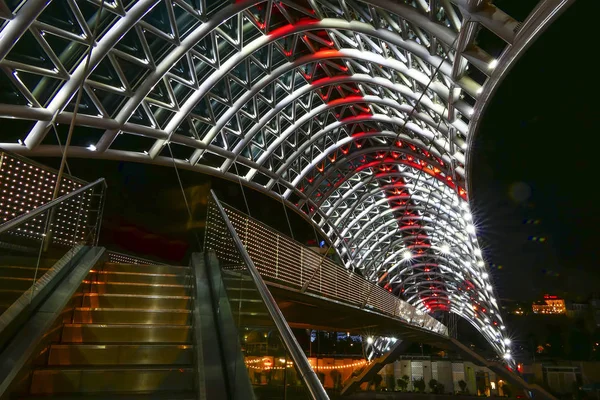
(419,174)
(402,128)
(288,220)
(237,172)
(78,100)
(60,147)
(185,200)
(407,119)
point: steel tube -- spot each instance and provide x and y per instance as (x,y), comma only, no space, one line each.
(41,209)
(309,376)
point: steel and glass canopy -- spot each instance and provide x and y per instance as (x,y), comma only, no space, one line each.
(358,114)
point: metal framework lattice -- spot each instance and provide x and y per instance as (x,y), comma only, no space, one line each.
(358,113)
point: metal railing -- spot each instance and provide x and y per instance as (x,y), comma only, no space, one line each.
(31,243)
(225,233)
(285,262)
(124,258)
(30,215)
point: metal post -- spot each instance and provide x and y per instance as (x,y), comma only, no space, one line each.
(307,283)
(63,160)
(99,216)
(364,304)
(301,264)
(277,257)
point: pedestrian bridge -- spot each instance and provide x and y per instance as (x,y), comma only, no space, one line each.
(289,267)
(313,292)
(71,316)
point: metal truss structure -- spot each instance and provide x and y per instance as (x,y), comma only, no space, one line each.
(376,347)
(357,113)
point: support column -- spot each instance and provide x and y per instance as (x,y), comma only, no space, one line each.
(372,369)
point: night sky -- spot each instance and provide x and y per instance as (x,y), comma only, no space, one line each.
(533,161)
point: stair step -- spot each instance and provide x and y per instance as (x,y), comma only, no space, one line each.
(118,396)
(31,262)
(138,288)
(250,313)
(135,301)
(88,315)
(243,279)
(130,337)
(20,284)
(150,269)
(120,354)
(142,277)
(8,296)
(20,272)
(112,380)
(123,333)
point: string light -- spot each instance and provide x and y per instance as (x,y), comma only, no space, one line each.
(289,364)
(344,366)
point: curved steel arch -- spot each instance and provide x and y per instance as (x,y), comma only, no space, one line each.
(326,24)
(375,190)
(324,175)
(348,140)
(384,253)
(383,160)
(391,152)
(389,234)
(258,83)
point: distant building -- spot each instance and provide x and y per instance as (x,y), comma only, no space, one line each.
(550,305)
(562,377)
(479,380)
(595,305)
(577,310)
(510,306)
(518,311)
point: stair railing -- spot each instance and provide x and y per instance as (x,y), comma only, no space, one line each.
(28,250)
(309,377)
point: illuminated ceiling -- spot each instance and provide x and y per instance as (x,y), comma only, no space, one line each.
(359,114)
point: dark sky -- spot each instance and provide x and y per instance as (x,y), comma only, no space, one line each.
(534,159)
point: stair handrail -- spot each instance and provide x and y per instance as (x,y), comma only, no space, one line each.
(309,376)
(45,207)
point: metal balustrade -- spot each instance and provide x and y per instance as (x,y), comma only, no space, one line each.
(287,263)
(123,258)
